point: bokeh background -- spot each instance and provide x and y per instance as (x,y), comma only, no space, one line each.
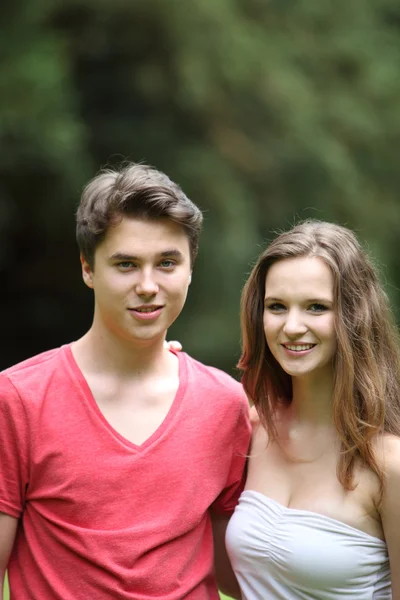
(265,111)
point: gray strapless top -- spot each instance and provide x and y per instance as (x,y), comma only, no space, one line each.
(281,553)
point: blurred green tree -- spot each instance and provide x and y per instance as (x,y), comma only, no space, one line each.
(264,112)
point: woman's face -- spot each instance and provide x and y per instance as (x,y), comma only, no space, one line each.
(299,316)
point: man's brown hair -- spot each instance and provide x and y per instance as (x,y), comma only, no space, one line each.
(138,191)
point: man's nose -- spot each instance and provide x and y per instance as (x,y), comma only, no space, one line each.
(146,284)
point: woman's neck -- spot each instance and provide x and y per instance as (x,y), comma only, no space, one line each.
(312,399)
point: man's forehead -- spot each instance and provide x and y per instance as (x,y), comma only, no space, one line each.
(136,237)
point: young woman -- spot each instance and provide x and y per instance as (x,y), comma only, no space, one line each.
(320,515)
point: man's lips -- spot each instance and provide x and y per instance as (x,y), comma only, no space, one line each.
(146,311)
(146,308)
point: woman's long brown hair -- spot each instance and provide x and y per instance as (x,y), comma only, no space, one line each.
(366,393)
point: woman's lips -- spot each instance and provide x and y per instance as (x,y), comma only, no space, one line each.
(298,349)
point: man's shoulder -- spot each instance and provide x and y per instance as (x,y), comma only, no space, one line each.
(35,369)
(219,397)
(206,376)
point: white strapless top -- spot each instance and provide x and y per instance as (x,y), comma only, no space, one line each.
(281,553)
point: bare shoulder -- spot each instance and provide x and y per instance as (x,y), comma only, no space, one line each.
(254,418)
(387,452)
(391,444)
(391,459)
(259,438)
(258,430)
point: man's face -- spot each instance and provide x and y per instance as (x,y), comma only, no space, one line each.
(140,278)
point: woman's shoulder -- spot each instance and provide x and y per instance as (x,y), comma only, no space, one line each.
(254,417)
(387,450)
(259,439)
(387,454)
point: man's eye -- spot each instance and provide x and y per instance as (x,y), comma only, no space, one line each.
(125,264)
(167,264)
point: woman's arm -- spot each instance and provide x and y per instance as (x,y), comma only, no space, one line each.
(390,510)
(225,576)
(8,529)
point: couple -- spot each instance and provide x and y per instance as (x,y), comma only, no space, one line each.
(121,461)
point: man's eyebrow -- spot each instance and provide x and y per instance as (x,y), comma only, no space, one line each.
(122,256)
(174,253)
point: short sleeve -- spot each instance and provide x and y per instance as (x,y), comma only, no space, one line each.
(14,445)
(227,500)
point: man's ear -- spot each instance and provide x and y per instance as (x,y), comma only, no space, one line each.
(190,278)
(87,273)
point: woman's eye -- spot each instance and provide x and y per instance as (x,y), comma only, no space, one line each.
(318,308)
(275,307)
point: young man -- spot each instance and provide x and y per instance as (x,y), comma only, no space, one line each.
(118,457)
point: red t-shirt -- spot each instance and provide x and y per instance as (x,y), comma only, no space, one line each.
(100,517)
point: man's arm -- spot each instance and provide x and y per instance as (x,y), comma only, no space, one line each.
(226,579)
(8,529)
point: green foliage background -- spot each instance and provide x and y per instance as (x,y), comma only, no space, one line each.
(264,111)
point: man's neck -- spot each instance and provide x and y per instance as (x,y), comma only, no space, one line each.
(103,352)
